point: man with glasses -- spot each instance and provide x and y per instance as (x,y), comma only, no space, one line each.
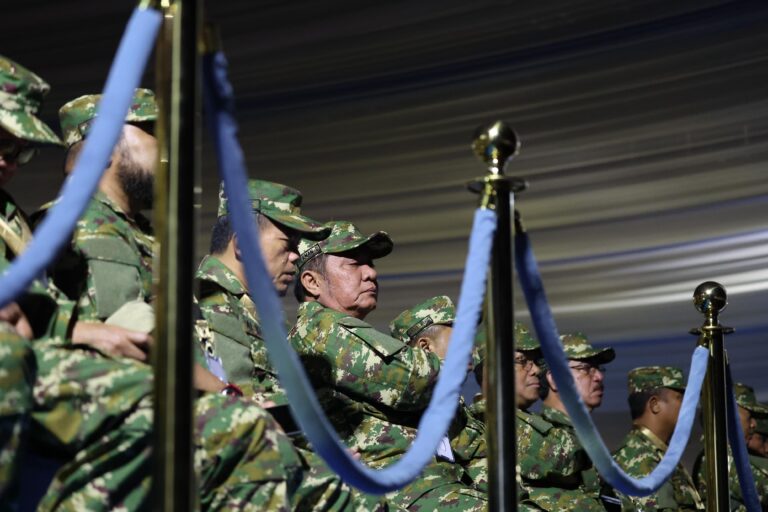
(573,484)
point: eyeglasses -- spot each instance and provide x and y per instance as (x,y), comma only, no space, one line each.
(588,369)
(525,363)
(15,151)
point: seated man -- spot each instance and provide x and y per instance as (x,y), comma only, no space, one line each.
(749,409)
(373,388)
(235,345)
(429,325)
(655,397)
(580,487)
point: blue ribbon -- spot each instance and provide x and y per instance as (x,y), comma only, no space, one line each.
(56,230)
(544,323)
(739,450)
(219,109)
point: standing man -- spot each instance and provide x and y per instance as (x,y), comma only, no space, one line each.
(235,343)
(429,325)
(583,483)
(655,397)
(373,388)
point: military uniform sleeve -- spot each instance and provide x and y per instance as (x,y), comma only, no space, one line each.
(545,453)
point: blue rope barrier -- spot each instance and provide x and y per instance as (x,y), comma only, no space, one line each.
(739,450)
(546,329)
(56,230)
(219,108)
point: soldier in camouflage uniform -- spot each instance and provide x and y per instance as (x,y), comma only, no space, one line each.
(235,345)
(749,409)
(655,397)
(428,325)
(242,459)
(373,387)
(578,487)
(758,458)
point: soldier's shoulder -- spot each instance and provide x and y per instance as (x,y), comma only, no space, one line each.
(534,422)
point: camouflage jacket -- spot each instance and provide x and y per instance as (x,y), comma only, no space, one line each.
(372,387)
(554,468)
(236,334)
(638,455)
(467,437)
(49,312)
(759,467)
(109,261)
(734,489)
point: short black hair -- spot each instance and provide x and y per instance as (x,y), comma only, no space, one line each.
(543,385)
(222,233)
(638,400)
(316,264)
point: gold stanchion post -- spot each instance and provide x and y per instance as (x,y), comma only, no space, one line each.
(178,135)
(710,298)
(495,144)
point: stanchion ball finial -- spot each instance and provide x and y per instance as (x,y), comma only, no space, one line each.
(494,144)
(710,297)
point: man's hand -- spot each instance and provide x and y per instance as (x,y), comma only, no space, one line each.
(13,314)
(113,340)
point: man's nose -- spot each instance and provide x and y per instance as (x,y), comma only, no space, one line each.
(293,256)
(369,273)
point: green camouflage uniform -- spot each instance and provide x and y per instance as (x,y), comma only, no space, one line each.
(555,469)
(759,464)
(97,411)
(642,450)
(236,339)
(467,433)
(745,397)
(373,387)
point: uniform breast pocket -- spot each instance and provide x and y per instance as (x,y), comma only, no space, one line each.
(114,284)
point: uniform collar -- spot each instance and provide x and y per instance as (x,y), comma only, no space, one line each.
(555,416)
(214,270)
(653,438)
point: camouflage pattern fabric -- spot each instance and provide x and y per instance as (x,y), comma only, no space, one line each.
(281,204)
(434,311)
(231,317)
(109,261)
(577,348)
(477,407)
(21,94)
(17,375)
(344,236)
(97,412)
(234,323)
(759,467)
(734,490)
(373,389)
(554,469)
(639,454)
(649,378)
(75,116)
(745,397)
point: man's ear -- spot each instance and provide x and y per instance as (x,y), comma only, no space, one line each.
(653,404)
(425,343)
(311,282)
(551,382)
(236,248)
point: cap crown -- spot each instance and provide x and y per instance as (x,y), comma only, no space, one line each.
(577,347)
(75,116)
(21,95)
(344,237)
(745,397)
(648,378)
(435,311)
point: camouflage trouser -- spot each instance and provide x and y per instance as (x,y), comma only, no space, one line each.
(17,369)
(323,489)
(98,412)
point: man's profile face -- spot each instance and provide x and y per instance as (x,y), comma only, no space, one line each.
(350,284)
(747,423)
(756,444)
(138,151)
(670,401)
(588,378)
(280,249)
(526,379)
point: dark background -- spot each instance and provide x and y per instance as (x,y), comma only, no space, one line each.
(644,128)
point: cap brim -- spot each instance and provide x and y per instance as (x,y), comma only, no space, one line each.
(599,356)
(379,244)
(758,410)
(307,227)
(28,127)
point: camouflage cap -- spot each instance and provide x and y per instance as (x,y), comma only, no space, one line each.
(524,342)
(75,116)
(648,378)
(279,203)
(435,311)
(344,237)
(745,397)
(21,95)
(578,348)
